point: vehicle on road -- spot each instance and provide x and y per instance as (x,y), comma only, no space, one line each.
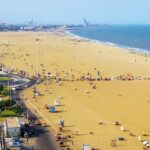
(44,125)
(38,123)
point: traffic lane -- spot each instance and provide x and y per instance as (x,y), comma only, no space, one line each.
(44,138)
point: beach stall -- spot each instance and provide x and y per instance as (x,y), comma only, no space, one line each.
(56,103)
(86,147)
(52,109)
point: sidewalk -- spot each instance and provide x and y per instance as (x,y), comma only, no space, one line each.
(31,143)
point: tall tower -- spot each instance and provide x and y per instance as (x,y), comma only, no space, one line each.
(86,23)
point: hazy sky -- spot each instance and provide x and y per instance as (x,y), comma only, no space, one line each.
(73,11)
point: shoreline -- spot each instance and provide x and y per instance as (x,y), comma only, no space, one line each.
(129,49)
(140,51)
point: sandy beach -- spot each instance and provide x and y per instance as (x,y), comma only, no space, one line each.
(90,107)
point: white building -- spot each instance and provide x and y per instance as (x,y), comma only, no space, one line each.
(2,73)
(12,127)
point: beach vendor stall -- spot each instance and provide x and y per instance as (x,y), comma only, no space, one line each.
(52,109)
(86,147)
(56,103)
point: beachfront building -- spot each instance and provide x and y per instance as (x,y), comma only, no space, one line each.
(12,127)
(2,73)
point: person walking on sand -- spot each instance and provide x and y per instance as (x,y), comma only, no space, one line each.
(122,128)
(61,122)
(139,138)
(145,148)
(113,143)
(60,128)
(73,77)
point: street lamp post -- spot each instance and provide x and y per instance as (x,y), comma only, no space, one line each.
(9,90)
(37,61)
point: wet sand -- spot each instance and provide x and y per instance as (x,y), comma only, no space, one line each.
(89,110)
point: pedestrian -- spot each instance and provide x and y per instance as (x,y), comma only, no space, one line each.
(26,136)
(113,143)
(60,128)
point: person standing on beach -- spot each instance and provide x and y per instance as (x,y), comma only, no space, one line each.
(98,75)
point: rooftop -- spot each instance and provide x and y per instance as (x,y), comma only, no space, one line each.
(12,122)
(2,72)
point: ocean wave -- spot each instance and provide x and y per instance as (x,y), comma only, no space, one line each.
(111,44)
(134,49)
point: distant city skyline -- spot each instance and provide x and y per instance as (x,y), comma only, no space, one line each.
(73,12)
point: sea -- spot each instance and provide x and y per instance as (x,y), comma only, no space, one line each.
(132,37)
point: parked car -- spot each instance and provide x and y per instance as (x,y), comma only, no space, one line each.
(38,123)
(44,125)
(15,144)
